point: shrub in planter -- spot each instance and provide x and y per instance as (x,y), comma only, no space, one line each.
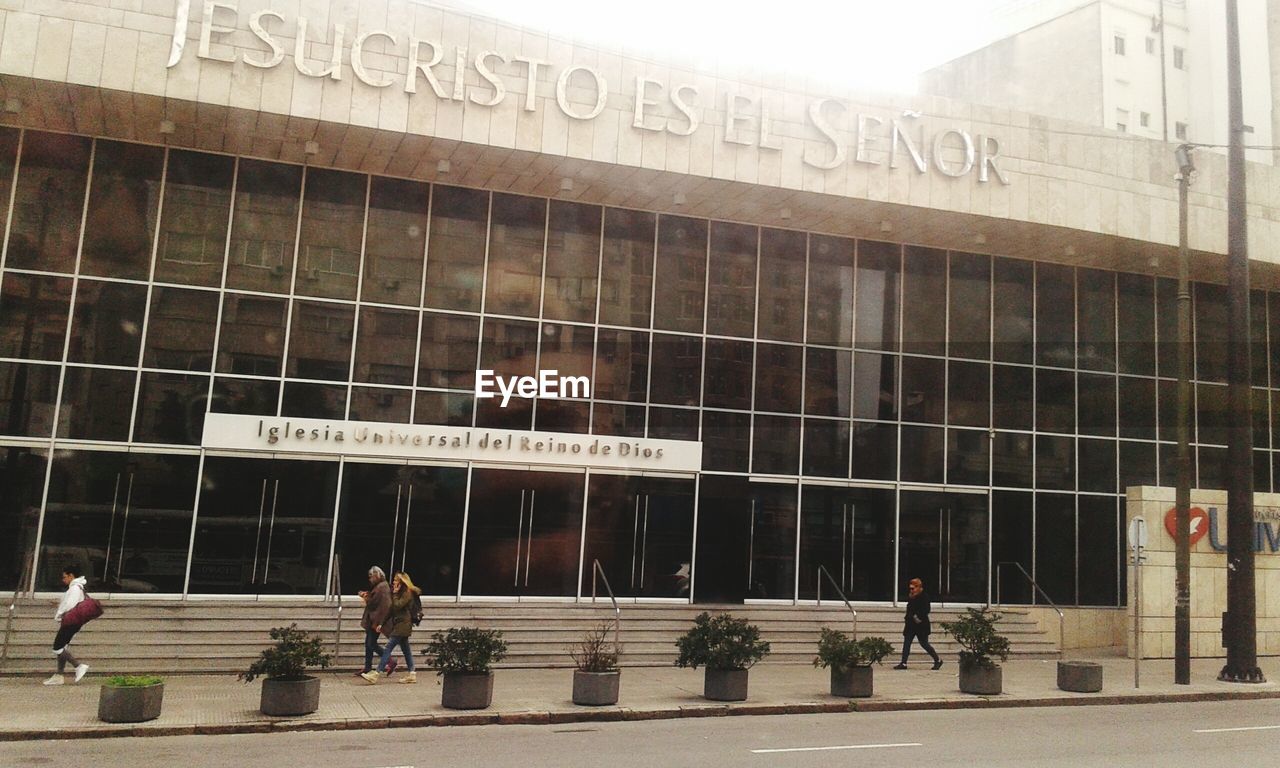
(850,661)
(464,657)
(597,678)
(727,648)
(130,698)
(976,634)
(287,688)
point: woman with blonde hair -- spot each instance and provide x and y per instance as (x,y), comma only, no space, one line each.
(406,606)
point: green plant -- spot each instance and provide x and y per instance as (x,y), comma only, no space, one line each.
(288,659)
(465,649)
(132,681)
(595,652)
(975,631)
(722,642)
(836,650)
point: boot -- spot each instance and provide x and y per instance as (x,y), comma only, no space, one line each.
(412,677)
(371,677)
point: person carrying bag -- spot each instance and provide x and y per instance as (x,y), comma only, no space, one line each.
(75,610)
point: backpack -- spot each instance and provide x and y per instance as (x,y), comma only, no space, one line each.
(415,610)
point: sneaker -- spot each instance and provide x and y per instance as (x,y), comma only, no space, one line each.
(370,677)
(412,677)
(81,671)
(55,680)
(391,667)
(937,664)
(363,672)
(899,666)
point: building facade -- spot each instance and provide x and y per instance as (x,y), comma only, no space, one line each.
(257,254)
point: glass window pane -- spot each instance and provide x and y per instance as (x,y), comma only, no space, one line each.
(924,301)
(33,316)
(247,396)
(573,262)
(1211,332)
(320,341)
(1167,327)
(1212,467)
(875,386)
(923,390)
(1096,309)
(679,358)
(1055,328)
(830,290)
(728,374)
(775,445)
(922,454)
(1167,409)
(449,408)
(1261,417)
(1137,408)
(28,393)
(1011,464)
(1013,323)
(1097,465)
(22,473)
(621,420)
(518,413)
(1011,523)
(622,366)
(395,241)
(1098,537)
(264,226)
(1055,401)
(1137,464)
(1136,324)
(574,416)
(1258,338)
(969,306)
(455,253)
(381,404)
(516,244)
(827,381)
(681,274)
(332,231)
(314,401)
(876,299)
(194,219)
(731,280)
(120,223)
(1012,403)
(1273,314)
(106,323)
(252,337)
(180,329)
(171,408)
(49,202)
(826,448)
(968,456)
(385,346)
(779,377)
(626,284)
(96,404)
(1055,463)
(1213,421)
(1097,405)
(968,393)
(1056,547)
(726,441)
(673,423)
(875,451)
(568,350)
(449,350)
(782,259)
(773,542)
(510,348)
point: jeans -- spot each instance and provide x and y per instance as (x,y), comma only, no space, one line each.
(924,643)
(62,647)
(371,648)
(392,642)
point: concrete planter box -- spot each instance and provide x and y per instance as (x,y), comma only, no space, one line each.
(983,681)
(467,690)
(596,689)
(285,698)
(851,683)
(1080,676)
(136,704)
(725,684)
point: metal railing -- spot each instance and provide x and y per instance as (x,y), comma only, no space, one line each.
(1062,619)
(20,589)
(335,592)
(822,571)
(596,570)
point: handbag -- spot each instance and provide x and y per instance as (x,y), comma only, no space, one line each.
(82,612)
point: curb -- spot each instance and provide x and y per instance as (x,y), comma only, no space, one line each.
(624,714)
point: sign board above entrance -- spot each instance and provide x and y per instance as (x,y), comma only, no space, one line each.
(422,441)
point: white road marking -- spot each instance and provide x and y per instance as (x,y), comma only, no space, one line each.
(1242,728)
(829,749)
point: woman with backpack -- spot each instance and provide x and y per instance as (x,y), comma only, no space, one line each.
(406,606)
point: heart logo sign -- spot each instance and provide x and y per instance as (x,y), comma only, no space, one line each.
(1199,523)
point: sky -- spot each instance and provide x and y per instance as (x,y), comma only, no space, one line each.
(878,45)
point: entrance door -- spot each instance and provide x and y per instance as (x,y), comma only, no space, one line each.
(942,539)
(401,517)
(264,526)
(524,529)
(641,530)
(848,532)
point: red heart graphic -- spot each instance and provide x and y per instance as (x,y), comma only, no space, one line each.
(1199,523)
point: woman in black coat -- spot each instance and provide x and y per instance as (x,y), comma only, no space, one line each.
(916,624)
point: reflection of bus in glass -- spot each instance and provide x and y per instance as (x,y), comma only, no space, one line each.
(249,555)
(118,548)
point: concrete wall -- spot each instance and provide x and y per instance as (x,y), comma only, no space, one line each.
(1084,628)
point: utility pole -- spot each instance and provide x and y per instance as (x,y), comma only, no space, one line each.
(1240,625)
(1182,557)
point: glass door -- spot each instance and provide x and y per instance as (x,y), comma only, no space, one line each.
(849,532)
(641,530)
(942,540)
(524,530)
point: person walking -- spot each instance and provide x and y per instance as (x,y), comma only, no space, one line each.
(377,607)
(74,582)
(405,608)
(916,624)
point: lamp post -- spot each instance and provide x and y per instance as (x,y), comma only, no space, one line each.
(1182,558)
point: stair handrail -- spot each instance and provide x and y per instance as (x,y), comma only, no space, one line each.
(19,590)
(597,570)
(822,571)
(335,591)
(1062,618)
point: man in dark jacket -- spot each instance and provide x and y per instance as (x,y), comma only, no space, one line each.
(377,607)
(916,624)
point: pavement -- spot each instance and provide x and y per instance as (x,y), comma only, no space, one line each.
(218,704)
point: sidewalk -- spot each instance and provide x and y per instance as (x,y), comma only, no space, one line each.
(199,704)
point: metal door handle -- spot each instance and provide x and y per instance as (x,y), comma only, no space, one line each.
(271,530)
(408,515)
(644,539)
(515,582)
(257,539)
(395,529)
(124,532)
(111,531)
(635,532)
(528,549)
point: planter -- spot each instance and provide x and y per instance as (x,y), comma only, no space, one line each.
(725,684)
(983,681)
(284,698)
(467,690)
(851,683)
(596,689)
(134,704)
(1080,676)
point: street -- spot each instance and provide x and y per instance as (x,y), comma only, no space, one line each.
(1199,735)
